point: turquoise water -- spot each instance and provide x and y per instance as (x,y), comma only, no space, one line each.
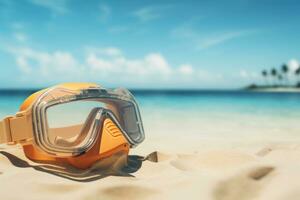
(205,112)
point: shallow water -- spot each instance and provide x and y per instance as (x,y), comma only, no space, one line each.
(210,113)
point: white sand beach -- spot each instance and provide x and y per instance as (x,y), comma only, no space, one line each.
(278,89)
(179,167)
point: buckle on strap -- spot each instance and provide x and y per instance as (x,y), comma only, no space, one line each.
(15,129)
(5,134)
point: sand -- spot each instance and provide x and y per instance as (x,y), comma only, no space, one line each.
(278,89)
(179,168)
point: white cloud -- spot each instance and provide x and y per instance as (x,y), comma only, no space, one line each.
(153,69)
(293,65)
(222,37)
(186,69)
(107,65)
(151,64)
(203,41)
(44,64)
(148,13)
(184,32)
(248,75)
(107,51)
(20,37)
(118,29)
(23,64)
(99,64)
(57,6)
(17,25)
(244,74)
(156,62)
(105,12)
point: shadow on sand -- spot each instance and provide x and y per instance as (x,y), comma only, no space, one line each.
(117,165)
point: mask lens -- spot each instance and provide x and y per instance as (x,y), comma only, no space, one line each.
(130,121)
(71,124)
(128,118)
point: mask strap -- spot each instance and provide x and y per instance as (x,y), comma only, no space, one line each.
(5,135)
(16,129)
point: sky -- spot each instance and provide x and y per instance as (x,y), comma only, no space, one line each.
(146,44)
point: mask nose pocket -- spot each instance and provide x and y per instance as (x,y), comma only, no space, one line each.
(91,126)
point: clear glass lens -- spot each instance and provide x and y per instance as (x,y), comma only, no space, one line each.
(71,124)
(130,122)
(127,115)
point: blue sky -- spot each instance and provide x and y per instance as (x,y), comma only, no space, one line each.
(146,44)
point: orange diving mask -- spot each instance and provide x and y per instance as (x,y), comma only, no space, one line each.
(75,123)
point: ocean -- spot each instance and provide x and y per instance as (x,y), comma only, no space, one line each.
(210,113)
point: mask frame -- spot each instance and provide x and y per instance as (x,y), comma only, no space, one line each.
(58,95)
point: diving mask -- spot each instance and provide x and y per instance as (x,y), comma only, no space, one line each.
(75,123)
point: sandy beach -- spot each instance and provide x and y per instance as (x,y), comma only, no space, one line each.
(209,146)
(278,89)
(182,167)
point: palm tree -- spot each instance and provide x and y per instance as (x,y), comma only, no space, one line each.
(265,75)
(297,73)
(274,74)
(280,78)
(285,70)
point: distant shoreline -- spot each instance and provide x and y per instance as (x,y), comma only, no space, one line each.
(272,89)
